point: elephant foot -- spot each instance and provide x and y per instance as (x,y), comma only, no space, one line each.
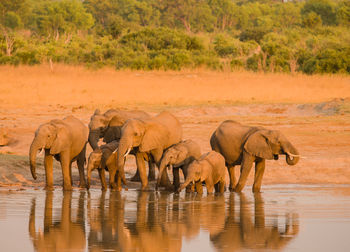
(67,188)
(255,189)
(49,188)
(238,188)
(145,188)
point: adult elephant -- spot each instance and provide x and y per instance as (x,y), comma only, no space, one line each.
(245,145)
(66,141)
(152,136)
(99,122)
(113,133)
(112,119)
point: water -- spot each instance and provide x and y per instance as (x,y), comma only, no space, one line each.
(282,218)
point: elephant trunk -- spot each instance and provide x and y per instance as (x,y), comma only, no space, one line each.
(163,164)
(292,154)
(34,147)
(123,149)
(89,170)
(94,136)
(188,180)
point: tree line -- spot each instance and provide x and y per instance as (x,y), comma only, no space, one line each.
(310,36)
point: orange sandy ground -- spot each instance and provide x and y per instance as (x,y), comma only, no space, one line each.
(30,96)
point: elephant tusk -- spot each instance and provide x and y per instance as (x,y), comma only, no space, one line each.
(127,153)
(170,167)
(115,150)
(41,151)
(292,155)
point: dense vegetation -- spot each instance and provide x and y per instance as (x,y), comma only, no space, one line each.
(259,35)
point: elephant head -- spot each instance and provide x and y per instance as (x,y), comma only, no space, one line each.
(194,174)
(145,135)
(97,126)
(94,162)
(175,155)
(50,136)
(269,144)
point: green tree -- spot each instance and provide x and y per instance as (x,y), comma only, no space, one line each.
(53,18)
(324,8)
(343,13)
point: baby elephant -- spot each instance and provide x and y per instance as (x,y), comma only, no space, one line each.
(210,168)
(103,159)
(178,156)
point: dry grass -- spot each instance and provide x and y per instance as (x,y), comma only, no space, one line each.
(76,86)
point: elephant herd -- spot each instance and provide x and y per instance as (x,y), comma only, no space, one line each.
(158,141)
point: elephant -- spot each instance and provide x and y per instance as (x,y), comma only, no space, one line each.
(244,145)
(103,158)
(99,122)
(59,234)
(113,133)
(178,156)
(246,231)
(151,136)
(210,167)
(66,141)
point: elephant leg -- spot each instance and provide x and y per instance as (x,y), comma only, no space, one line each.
(48,163)
(118,181)
(190,187)
(65,163)
(231,172)
(176,178)
(136,177)
(142,170)
(246,166)
(210,186)
(199,187)
(165,181)
(222,186)
(112,172)
(80,164)
(259,172)
(101,173)
(151,171)
(70,173)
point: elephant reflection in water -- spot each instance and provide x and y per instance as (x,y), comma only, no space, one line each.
(107,230)
(160,222)
(146,231)
(63,234)
(242,232)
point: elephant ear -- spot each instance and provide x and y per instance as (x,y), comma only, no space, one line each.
(182,154)
(154,137)
(62,138)
(257,145)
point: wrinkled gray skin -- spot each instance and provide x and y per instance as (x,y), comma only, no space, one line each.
(151,136)
(66,141)
(113,133)
(245,145)
(178,156)
(210,167)
(103,159)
